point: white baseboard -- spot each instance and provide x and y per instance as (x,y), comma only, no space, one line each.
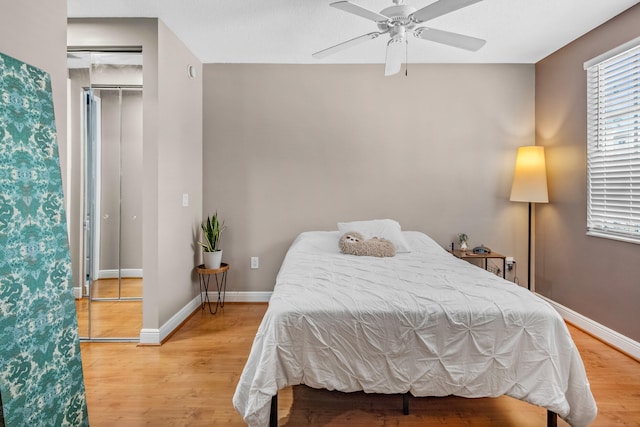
(77,292)
(156,336)
(150,336)
(243,296)
(609,336)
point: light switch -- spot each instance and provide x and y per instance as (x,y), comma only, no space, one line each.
(185,200)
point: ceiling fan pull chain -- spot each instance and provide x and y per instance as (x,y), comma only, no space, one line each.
(406,58)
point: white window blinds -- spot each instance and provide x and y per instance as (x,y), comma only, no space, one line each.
(613,145)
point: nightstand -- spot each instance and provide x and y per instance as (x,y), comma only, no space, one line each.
(468,255)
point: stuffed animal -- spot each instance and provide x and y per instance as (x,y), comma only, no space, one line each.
(352,243)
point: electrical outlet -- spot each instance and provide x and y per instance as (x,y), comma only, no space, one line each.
(255,262)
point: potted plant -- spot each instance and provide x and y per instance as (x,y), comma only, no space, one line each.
(211,229)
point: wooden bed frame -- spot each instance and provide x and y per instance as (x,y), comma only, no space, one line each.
(552,417)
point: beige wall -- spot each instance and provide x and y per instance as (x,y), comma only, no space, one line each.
(290,148)
(172,149)
(35,32)
(598,278)
(179,163)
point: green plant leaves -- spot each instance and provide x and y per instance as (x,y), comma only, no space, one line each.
(211,229)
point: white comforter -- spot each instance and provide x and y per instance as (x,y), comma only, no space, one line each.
(423,322)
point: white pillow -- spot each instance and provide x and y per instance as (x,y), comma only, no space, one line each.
(381,228)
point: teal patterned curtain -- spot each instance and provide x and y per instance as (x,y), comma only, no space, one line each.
(41,380)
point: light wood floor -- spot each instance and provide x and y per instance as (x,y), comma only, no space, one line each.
(111,319)
(190,380)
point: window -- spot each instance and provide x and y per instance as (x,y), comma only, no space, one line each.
(613,144)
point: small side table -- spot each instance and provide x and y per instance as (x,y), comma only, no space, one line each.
(221,284)
(468,254)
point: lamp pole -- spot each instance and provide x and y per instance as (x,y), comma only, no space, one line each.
(529,251)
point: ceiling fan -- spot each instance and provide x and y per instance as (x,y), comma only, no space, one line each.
(399,20)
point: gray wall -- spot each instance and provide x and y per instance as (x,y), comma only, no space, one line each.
(289,148)
(598,278)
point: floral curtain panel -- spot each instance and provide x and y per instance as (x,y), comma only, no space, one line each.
(41,380)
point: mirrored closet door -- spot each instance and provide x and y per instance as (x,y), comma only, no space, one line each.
(105,192)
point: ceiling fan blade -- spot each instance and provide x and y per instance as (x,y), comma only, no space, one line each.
(448,38)
(439,8)
(359,10)
(395,51)
(344,45)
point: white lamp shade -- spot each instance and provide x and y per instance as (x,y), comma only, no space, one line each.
(530,176)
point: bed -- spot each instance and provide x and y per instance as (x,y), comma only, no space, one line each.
(421,322)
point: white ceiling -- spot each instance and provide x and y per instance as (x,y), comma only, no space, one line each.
(289,31)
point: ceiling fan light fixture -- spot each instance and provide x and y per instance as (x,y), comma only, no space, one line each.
(396,48)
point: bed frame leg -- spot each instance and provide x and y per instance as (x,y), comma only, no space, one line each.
(273,416)
(405,403)
(552,419)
